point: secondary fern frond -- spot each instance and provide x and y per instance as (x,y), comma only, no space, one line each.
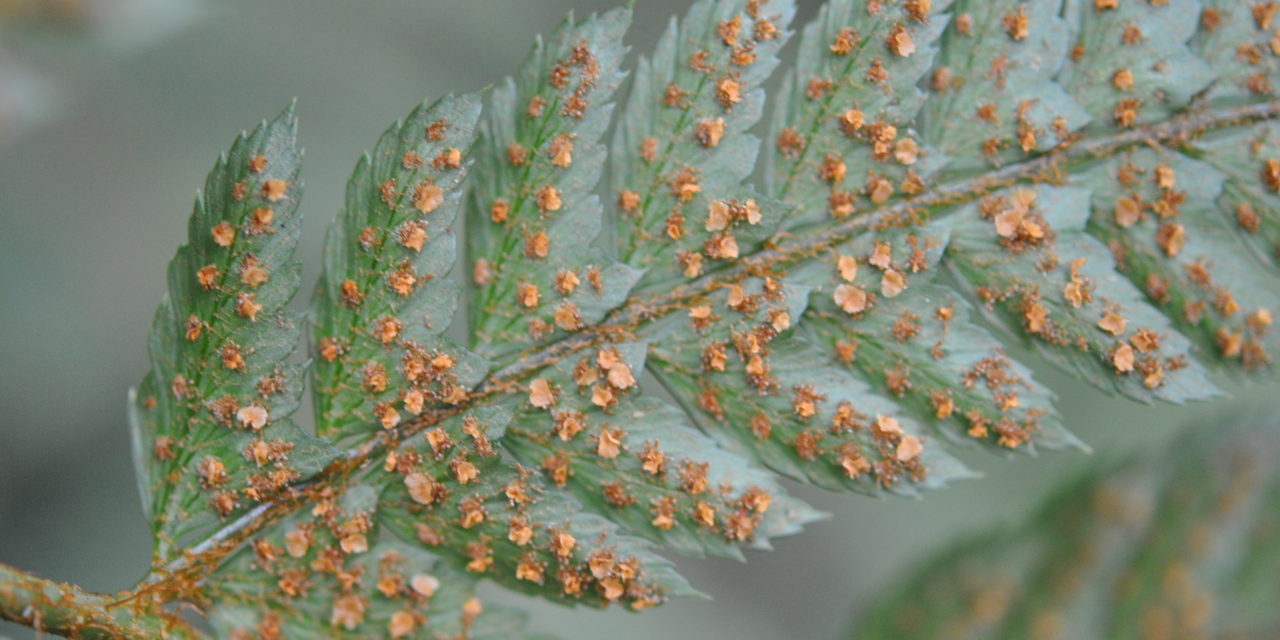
(1158,213)
(1178,544)
(879,312)
(773,396)
(1248,205)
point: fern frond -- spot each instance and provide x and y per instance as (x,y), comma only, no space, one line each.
(382,361)
(534,216)
(695,496)
(844,142)
(384,300)
(211,419)
(637,461)
(836,121)
(993,98)
(1248,205)
(1074,172)
(500,520)
(1157,212)
(387,590)
(1129,61)
(1178,544)
(681,151)
(1063,290)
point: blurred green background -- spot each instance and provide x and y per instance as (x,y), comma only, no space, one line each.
(111,112)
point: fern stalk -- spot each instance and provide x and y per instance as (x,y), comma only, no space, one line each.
(65,610)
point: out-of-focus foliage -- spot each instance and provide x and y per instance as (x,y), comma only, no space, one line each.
(1176,544)
(30,95)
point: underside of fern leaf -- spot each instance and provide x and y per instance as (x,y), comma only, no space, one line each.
(211,419)
(645,354)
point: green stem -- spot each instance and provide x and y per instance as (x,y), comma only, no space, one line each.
(66,610)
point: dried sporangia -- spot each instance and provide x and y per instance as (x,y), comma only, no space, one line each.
(707,100)
(511,526)
(534,195)
(228,378)
(403,364)
(1155,241)
(1050,163)
(324,565)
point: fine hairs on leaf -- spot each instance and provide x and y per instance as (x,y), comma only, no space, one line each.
(679,290)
